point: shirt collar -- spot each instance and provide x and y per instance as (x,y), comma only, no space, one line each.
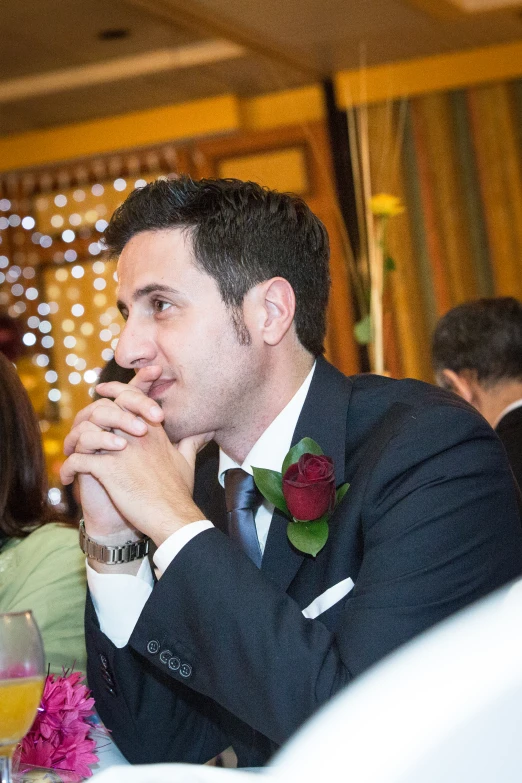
(512,407)
(272,447)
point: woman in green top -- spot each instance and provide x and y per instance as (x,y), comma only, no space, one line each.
(41,565)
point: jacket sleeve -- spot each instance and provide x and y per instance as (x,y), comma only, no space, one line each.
(440,528)
(151,717)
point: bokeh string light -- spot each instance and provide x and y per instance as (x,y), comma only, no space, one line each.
(72,304)
(58,285)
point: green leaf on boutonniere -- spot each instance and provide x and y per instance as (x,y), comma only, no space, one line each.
(308,537)
(270,484)
(305,446)
(340,493)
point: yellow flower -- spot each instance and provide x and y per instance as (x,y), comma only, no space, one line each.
(386,205)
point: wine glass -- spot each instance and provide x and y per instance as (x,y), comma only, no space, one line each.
(21,682)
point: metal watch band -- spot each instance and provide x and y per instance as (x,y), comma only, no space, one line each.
(111,555)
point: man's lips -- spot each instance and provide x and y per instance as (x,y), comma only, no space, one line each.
(159,387)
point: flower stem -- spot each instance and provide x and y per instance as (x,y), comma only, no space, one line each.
(377,286)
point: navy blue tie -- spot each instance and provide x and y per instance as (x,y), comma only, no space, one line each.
(242,500)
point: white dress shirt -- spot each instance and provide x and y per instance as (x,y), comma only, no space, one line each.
(119,598)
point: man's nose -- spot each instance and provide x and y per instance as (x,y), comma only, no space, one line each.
(135,347)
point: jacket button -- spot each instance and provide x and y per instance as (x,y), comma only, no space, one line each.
(186,670)
(104,662)
(165,655)
(111,690)
(153,646)
(174,663)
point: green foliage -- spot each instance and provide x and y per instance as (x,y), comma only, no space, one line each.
(308,537)
(270,483)
(341,492)
(305,446)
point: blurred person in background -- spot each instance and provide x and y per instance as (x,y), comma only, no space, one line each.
(113,372)
(41,567)
(477,353)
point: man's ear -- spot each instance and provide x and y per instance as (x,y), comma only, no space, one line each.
(462,383)
(272,306)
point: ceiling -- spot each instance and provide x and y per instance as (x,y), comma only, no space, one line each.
(55,68)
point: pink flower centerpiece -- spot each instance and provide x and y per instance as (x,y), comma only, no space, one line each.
(60,737)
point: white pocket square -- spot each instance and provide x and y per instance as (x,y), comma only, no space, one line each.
(328,598)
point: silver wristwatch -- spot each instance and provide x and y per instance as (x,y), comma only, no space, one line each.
(111,555)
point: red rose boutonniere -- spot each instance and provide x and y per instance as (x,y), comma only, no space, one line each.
(305,492)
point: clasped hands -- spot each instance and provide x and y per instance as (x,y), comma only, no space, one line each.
(131,475)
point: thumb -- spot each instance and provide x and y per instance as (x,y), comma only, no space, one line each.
(190,447)
(143,380)
(145,377)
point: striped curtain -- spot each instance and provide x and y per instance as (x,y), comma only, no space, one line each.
(456,160)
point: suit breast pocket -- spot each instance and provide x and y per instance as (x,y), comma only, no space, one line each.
(328,599)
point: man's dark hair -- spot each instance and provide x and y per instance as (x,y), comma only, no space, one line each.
(484,336)
(242,234)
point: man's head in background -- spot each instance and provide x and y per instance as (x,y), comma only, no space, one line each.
(477,353)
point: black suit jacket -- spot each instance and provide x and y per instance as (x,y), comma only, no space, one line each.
(222,654)
(509,430)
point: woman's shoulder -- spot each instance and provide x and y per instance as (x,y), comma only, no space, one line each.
(48,556)
(53,537)
(53,533)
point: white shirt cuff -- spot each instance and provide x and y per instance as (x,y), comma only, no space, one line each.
(119,600)
(172,546)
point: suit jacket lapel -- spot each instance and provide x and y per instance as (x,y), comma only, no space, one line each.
(323,418)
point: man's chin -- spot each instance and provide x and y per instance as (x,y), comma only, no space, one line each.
(176,430)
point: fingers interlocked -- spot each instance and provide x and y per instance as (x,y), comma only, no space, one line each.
(102,425)
(88,438)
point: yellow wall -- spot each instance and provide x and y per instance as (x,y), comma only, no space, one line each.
(429,74)
(209,117)
(228,113)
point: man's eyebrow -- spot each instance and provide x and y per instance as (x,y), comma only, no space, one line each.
(145,291)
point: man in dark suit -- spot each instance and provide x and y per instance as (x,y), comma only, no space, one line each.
(477,353)
(224,288)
